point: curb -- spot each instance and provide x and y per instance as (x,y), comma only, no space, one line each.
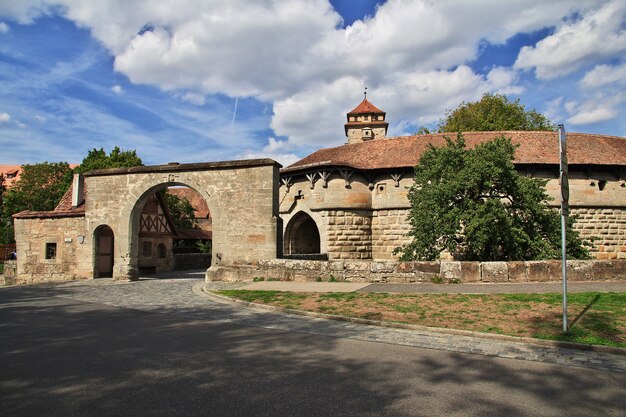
(199,289)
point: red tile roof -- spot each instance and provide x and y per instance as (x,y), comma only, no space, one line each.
(534,148)
(11,174)
(63,209)
(200,208)
(365,107)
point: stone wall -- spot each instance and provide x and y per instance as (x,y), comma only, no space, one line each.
(406,272)
(73,257)
(349,234)
(606,228)
(242,197)
(389,229)
(183,261)
(9,274)
(595,195)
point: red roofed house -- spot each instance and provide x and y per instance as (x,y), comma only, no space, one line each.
(11,174)
(350,202)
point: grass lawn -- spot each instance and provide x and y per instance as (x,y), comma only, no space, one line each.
(594,318)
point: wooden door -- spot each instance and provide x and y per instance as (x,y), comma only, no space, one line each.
(104,253)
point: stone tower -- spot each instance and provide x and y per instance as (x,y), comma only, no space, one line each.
(365,122)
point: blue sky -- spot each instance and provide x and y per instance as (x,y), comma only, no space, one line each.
(195,80)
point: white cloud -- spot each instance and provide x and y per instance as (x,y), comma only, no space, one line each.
(276,150)
(193,98)
(592,116)
(578,42)
(602,75)
(601,107)
(4,28)
(412,54)
(5,117)
(117,89)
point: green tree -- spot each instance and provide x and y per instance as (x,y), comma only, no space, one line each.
(472,203)
(39,188)
(180,209)
(98,159)
(494,112)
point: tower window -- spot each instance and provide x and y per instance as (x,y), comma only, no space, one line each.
(51,250)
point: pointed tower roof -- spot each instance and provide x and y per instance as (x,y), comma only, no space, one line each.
(366,107)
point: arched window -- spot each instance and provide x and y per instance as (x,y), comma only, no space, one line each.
(302,236)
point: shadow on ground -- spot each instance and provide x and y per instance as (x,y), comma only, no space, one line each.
(61,357)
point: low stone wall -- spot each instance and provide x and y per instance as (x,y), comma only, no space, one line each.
(405,272)
(10,272)
(184,261)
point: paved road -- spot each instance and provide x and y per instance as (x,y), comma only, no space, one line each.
(153,348)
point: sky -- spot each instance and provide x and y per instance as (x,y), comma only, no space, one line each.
(214,80)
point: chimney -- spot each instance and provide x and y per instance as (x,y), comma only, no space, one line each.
(78,190)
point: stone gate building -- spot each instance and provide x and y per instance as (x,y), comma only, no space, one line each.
(112,222)
(350,202)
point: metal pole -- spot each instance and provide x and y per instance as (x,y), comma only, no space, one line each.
(563,176)
(564,269)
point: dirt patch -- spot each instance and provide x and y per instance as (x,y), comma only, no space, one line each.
(595,318)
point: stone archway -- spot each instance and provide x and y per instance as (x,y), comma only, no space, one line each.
(241,195)
(302,237)
(104,252)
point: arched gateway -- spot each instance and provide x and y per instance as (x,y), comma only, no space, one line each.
(240,194)
(99,225)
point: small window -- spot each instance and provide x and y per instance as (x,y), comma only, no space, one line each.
(51,250)
(161,250)
(367,117)
(147,249)
(152,207)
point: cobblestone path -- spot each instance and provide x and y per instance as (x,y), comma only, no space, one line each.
(176,296)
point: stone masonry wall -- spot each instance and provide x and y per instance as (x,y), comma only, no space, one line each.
(436,271)
(73,259)
(389,229)
(242,197)
(349,234)
(606,228)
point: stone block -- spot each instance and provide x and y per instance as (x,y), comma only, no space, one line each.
(518,271)
(432,267)
(609,270)
(580,270)
(451,270)
(470,272)
(404,267)
(494,272)
(378,267)
(357,265)
(544,271)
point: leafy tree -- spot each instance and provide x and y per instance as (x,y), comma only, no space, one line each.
(181,211)
(39,188)
(472,203)
(98,159)
(2,188)
(494,112)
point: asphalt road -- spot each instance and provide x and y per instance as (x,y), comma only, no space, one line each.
(63,356)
